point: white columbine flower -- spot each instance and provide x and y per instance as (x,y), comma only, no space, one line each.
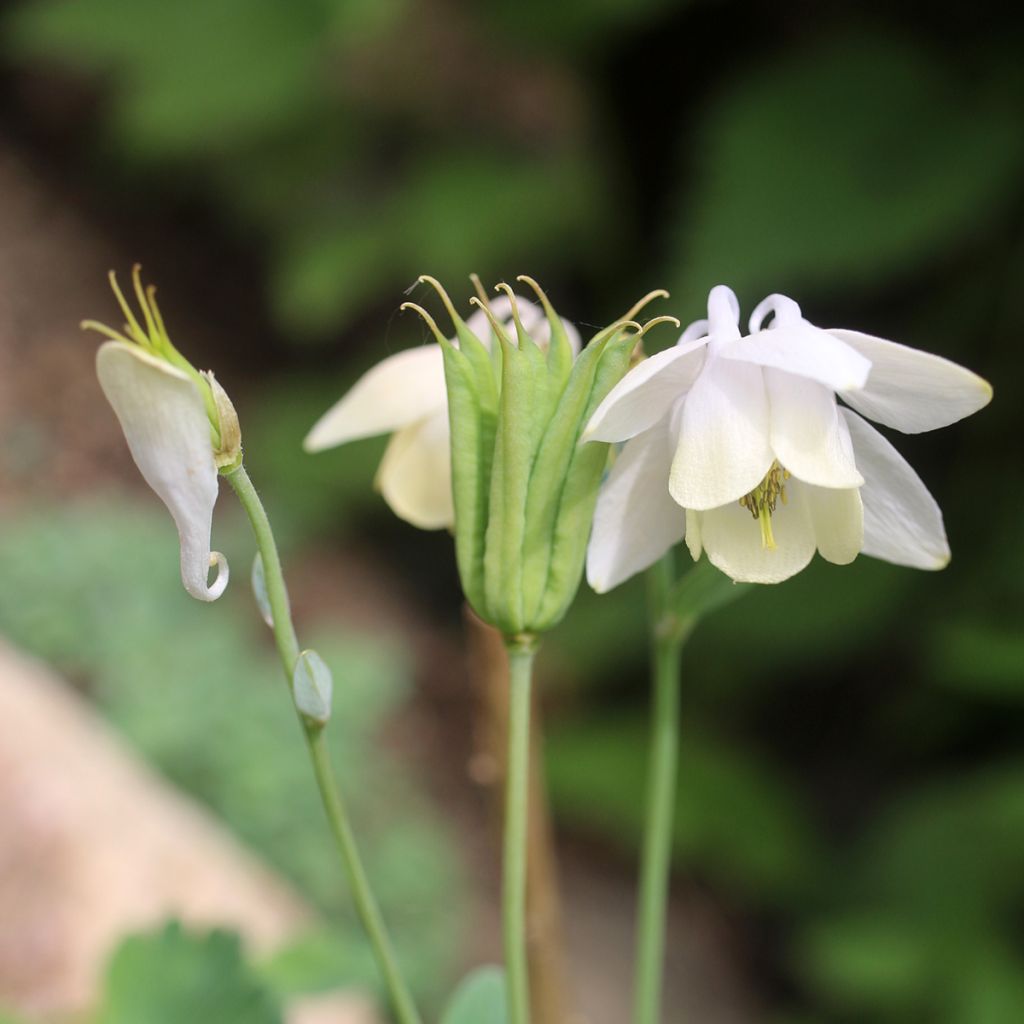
(745,435)
(180,427)
(405,395)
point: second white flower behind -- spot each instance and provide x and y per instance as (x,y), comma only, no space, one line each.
(738,444)
(405,395)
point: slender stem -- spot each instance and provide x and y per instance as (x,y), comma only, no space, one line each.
(330,795)
(668,634)
(520,665)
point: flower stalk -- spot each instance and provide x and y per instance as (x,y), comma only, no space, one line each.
(669,633)
(313,731)
(521,652)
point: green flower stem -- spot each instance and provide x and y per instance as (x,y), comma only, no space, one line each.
(521,652)
(337,815)
(668,634)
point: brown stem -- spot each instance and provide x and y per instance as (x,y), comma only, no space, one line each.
(545,943)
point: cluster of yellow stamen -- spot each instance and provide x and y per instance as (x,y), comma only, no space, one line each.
(151,336)
(761,501)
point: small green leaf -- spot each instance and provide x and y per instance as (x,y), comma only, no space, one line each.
(171,976)
(259,589)
(312,687)
(481,998)
(704,589)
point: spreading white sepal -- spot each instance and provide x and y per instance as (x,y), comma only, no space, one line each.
(910,390)
(398,391)
(636,521)
(164,420)
(902,521)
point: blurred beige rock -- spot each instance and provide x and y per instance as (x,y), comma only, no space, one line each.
(94,844)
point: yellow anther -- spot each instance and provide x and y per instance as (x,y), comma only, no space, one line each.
(763,499)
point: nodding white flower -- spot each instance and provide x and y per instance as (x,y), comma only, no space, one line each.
(405,395)
(745,434)
(179,424)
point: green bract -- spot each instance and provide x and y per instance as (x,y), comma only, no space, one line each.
(524,488)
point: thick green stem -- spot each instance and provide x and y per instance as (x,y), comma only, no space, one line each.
(668,634)
(337,815)
(520,664)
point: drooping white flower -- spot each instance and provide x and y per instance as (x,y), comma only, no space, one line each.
(738,444)
(405,395)
(180,428)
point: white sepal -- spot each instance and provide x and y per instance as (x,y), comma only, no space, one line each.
(636,521)
(164,420)
(902,521)
(910,390)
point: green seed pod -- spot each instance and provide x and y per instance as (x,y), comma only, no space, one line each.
(524,488)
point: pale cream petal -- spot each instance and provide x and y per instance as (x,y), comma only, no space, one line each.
(732,541)
(805,350)
(723,451)
(398,391)
(694,542)
(838,518)
(415,475)
(902,521)
(808,435)
(635,521)
(646,393)
(910,390)
(163,416)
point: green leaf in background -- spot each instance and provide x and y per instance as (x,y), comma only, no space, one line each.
(172,976)
(841,164)
(869,960)
(481,998)
(194,73)
(737,820)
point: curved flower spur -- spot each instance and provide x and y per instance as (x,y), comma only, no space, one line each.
(405,395)
(523,488)
(746,435)
(181,427)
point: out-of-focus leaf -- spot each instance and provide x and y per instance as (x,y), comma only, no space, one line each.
(951,852)
(198,73)
(170,976)
(736,818)
(868,960)
(453,215)
(989,986)
(480,998)
(850,161)
(979,658)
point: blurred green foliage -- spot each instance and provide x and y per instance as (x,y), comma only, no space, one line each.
(195,689)
(851,769)
(171,976)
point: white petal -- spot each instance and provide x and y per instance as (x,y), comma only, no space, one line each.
(164,420)
(723,450)
(806,351)
(732,540)
(808,436)
(645,394)
(838,518)
(415,475)
(912,390)
(694,542)
(636,521)
(398,391)
(902,522)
